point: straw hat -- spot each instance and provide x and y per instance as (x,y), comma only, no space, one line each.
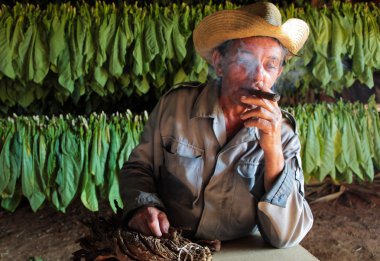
(258,19)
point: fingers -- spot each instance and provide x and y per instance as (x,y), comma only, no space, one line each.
(266,115)
(263,125)
(149,221)
(266,104)
(164,222)
(152,222)
(258,112)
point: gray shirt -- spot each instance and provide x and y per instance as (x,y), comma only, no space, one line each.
(185,165)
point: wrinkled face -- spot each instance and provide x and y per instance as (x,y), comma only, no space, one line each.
(249,63)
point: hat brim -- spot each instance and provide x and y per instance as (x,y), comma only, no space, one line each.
(226,25)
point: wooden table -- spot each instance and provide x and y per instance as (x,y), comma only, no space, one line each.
(253,248)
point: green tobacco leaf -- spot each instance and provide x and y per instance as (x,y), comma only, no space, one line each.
(324,33)
(366,163)
(373,40)
(32,59)
(160,38)
(76,39)
(137,67)
(93,159)
(106,31)
(127,139)
(25,62)
(101,77)
(15,159)
(5,52)
(104,141)
(321,70)
(11,38)
(338,44)
(142,85)
(88,194)
(99,150)
(26,97)
(88,191)
(30,186)
(179,41)
(376,136)
(69,172)
(150,46)
(40,159)
(348,176)
(40,56)
(57,42)
(329,130)
(338,155)
(65,78)
(89,46)
(350,152)
(118,51)
(113,182)
(180,76)
(11,203)
(358,57)
(53,154)
(5,161)
(312,148)
(167,24)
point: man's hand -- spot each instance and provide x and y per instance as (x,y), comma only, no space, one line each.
(267,117)
(149,221)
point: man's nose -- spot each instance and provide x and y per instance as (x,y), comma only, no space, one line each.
(258,74)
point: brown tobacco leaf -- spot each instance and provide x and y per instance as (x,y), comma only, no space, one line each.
(109,240)
(155,245)
(136,249)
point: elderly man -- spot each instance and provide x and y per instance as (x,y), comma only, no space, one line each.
(216,159)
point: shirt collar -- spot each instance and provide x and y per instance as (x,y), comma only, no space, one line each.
(207,106)
(207,103)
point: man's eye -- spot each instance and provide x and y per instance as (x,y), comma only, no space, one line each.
(271,66)
(244,64)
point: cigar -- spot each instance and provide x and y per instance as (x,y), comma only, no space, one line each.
(265,95)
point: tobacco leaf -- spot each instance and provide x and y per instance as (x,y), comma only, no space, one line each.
(30,187)
(328,131)
(112,168)
(109,238)
(5,160)
(88,191)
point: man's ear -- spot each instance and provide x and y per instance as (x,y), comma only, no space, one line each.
(216,62)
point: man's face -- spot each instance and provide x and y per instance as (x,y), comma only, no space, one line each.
(250,63)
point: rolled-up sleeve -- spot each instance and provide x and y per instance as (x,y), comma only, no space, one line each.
(281,189)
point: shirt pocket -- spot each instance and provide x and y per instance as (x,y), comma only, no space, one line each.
(181,172)
(248,171)
(243,202)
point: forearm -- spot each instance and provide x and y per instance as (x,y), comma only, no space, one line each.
(274,164)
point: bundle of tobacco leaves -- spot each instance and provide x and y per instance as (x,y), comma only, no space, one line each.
(110,240)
